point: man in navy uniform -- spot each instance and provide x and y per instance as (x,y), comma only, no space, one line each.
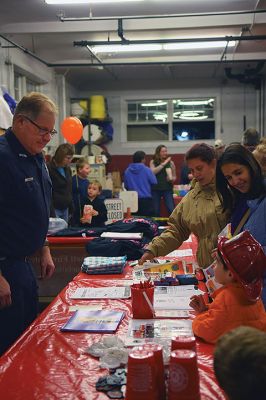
(25,196)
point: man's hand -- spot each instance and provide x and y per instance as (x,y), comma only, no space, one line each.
(46,262)
(5,293)
(146,256)
(198,304)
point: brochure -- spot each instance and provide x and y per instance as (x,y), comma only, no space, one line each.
(211,282)
(141,331)
(112,292)
(172,267)
(104,321)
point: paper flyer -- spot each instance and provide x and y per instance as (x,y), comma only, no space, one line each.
(112,292)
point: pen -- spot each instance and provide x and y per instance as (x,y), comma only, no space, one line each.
(149,304)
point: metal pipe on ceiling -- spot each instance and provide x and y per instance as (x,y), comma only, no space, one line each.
(104,64)
(162,63)
(209,14)
(24,50)
(84,43)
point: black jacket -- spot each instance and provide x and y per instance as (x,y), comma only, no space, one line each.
(98,205)
(62,187)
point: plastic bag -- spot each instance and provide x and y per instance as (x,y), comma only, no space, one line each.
(55,225)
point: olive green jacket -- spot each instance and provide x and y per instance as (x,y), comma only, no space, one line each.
(200,212)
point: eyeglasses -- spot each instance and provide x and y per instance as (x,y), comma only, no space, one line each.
(42,131)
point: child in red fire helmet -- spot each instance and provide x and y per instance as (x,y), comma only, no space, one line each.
(239,266)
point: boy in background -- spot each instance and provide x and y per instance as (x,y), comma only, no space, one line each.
(240,363)
(140,178)
(240,264)
(99,211)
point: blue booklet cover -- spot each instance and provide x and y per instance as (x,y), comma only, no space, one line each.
(101,321)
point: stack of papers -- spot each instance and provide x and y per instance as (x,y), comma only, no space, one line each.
(104,265)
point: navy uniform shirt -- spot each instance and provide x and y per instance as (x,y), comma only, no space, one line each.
(25,196)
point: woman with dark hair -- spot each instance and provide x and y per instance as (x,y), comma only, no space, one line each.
(164,169)
(200,211)
(61,177)
(240,182)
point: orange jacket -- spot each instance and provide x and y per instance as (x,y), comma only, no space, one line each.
(230,309)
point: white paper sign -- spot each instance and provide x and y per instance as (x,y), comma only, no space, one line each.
(115,209)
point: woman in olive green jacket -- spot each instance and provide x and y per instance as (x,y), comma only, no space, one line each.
(200,211)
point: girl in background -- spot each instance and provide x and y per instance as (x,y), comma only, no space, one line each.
(164,169)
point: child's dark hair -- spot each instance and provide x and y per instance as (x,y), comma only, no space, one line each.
(138,156)
(240,363)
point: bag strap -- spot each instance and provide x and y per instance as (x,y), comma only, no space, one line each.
(242,222)
(79,200)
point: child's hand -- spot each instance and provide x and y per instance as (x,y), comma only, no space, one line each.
(94,213)
(198,304)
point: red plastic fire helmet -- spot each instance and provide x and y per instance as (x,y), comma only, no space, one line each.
(245,258)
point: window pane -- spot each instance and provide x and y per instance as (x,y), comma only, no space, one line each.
(148,110)
(193,130)
(31,86)
(193,109)
(147,133)
(132,107)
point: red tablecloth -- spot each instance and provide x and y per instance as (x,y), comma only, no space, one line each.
(46,364)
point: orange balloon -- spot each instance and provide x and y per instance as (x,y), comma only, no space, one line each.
(72,129)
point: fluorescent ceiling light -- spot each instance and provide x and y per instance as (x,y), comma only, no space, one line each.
(193,118)
(74,2)
(193,102)
(197,45)
(124,48)
(154,104)
(160,117)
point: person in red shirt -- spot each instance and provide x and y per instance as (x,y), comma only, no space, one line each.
(240,264)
